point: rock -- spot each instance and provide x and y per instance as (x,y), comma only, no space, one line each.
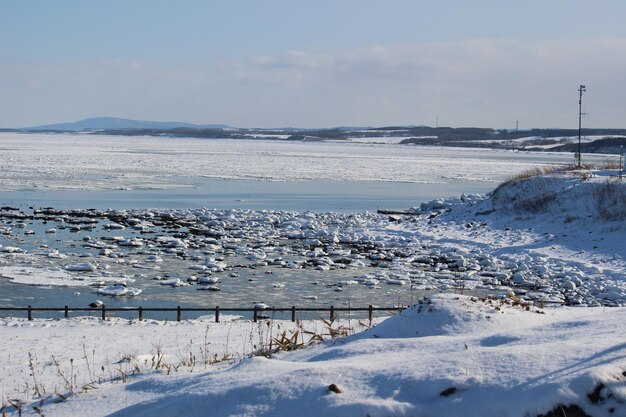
(334,388)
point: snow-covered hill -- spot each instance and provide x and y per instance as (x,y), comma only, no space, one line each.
(100,123)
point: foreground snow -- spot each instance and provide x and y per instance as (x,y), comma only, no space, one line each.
(447,356)
(51,358)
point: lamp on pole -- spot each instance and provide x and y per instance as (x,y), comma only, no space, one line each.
(581,90)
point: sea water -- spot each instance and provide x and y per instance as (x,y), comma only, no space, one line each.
(314,195)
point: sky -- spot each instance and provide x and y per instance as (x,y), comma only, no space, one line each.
(325,63)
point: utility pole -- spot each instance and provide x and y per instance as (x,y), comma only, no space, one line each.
(581,90)
(621,160)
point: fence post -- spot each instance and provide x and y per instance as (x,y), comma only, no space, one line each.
(30,313)
(140,313)
(332,313)
(293,313)
(217,314)
(255,318)
(66,312)
(178,313)
(370,312)
(104,314)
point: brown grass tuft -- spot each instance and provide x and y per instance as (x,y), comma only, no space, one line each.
(610,199)
(534,172)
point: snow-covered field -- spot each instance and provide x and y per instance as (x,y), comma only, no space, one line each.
(450,355)
(531,141)
(48,357)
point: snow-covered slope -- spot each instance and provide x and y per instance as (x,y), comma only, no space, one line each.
(560,234)
(447,356)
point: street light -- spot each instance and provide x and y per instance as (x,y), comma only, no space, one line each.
(581,89)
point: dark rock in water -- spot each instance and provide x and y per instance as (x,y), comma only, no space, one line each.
(334,388)
(569,411)
(96,304)
(447,392)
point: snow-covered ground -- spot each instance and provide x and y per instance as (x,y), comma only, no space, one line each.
(449,355)
(555,237)
(562,231)
(48,357)
(536,141)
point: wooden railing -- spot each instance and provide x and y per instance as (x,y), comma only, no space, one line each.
(257,311)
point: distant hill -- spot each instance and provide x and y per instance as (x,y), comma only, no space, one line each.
(99,123)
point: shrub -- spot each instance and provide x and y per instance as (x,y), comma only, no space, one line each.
(537,204)
(534,172)
(613,163)
(610,200)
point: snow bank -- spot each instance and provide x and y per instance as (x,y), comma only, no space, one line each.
(599,195)
(559,235)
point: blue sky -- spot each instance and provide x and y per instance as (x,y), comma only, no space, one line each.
(314,64)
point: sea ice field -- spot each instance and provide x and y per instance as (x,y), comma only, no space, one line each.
(53,162)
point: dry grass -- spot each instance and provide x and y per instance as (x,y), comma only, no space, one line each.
(610,200)
(535,205)
(609,163)
(535,172)
(582,171)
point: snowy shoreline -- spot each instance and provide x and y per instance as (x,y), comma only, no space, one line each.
(544,239)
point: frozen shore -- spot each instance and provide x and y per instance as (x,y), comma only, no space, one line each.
(553,237)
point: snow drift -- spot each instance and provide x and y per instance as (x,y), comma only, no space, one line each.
(447,356)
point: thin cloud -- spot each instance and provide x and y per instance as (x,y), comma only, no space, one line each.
(479,82)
